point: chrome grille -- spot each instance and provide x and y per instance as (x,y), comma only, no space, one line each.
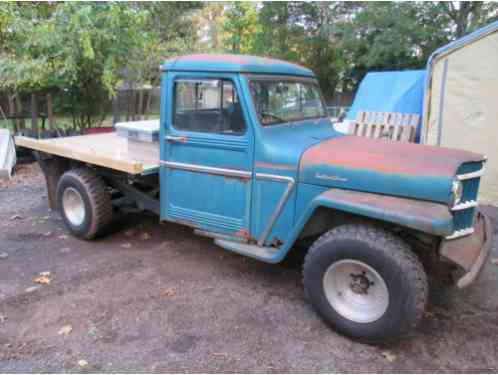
(464,212)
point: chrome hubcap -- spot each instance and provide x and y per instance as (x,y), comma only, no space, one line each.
(73,206)
(356,291)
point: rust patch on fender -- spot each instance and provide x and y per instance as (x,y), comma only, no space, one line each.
(425,216)
(387,156)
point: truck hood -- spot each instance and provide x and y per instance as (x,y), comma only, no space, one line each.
(385,167)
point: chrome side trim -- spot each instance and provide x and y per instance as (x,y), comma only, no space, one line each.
(468,176)
(280,205)
(464,205)
(460,233)
(206,169)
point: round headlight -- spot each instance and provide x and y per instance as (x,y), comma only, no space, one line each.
(456,192)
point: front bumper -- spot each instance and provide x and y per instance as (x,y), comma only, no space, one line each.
(470,252)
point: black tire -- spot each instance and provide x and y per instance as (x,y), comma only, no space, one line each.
(390,257)
(97,207)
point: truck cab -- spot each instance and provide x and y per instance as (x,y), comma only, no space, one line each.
(249,157)
(236,129)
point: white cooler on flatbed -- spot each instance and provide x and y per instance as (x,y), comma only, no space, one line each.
(7,154)
(140,135)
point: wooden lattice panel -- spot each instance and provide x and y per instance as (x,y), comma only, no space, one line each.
(400,127)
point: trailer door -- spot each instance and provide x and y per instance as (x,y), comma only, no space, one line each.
(206,172)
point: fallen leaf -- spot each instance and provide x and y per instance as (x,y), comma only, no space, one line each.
(428,315)
(31,289)
(43,278)
(390,356)
(82,363)
(65,330)
(146,236)
(126,245)
(93,331)
(168,292)
(16,217)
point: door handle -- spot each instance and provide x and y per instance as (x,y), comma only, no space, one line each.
(175,138)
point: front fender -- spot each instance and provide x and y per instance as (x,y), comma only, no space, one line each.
(427,217)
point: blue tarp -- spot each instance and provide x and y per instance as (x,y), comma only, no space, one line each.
(399,91)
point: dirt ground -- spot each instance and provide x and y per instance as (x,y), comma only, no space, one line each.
(153,297)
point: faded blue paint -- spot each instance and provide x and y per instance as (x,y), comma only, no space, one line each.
(431,188)
(236,208)
(277,151)
(234,64)
(206,201)
(432,218)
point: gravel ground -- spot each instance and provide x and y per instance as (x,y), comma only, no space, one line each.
(153,297)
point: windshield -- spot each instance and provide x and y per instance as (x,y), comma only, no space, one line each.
(286,100)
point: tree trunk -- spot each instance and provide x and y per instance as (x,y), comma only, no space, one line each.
(50,112)
(12,113)
(20,122)
(34,114)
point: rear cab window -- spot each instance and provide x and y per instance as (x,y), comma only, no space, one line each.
(207,106)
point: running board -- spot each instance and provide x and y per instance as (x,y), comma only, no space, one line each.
(265,254)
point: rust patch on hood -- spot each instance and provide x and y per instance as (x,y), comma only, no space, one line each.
(387,156)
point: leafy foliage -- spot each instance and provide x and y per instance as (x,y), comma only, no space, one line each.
(89,50)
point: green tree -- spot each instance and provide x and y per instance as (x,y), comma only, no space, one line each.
(402,35)
(86,50)
(239,26)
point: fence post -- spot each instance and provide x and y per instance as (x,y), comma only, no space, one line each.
(140,104)
(34,114)
(12,113)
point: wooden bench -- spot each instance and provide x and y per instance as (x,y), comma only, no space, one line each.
(400,127)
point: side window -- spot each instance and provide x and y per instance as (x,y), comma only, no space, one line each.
(208,106)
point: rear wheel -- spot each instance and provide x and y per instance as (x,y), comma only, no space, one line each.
(365,282)
(84,202)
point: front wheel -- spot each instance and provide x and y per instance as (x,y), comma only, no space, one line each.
(365,282)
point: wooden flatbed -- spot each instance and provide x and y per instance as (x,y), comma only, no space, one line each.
(105,150)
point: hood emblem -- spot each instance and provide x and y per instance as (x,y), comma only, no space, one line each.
(330,178)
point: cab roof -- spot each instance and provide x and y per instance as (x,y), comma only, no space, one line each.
(235,64)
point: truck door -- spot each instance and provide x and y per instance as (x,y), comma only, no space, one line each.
(207,153)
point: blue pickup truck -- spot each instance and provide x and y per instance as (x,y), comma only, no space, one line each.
(249,157)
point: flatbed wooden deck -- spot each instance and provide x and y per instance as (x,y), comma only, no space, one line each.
(105,150)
